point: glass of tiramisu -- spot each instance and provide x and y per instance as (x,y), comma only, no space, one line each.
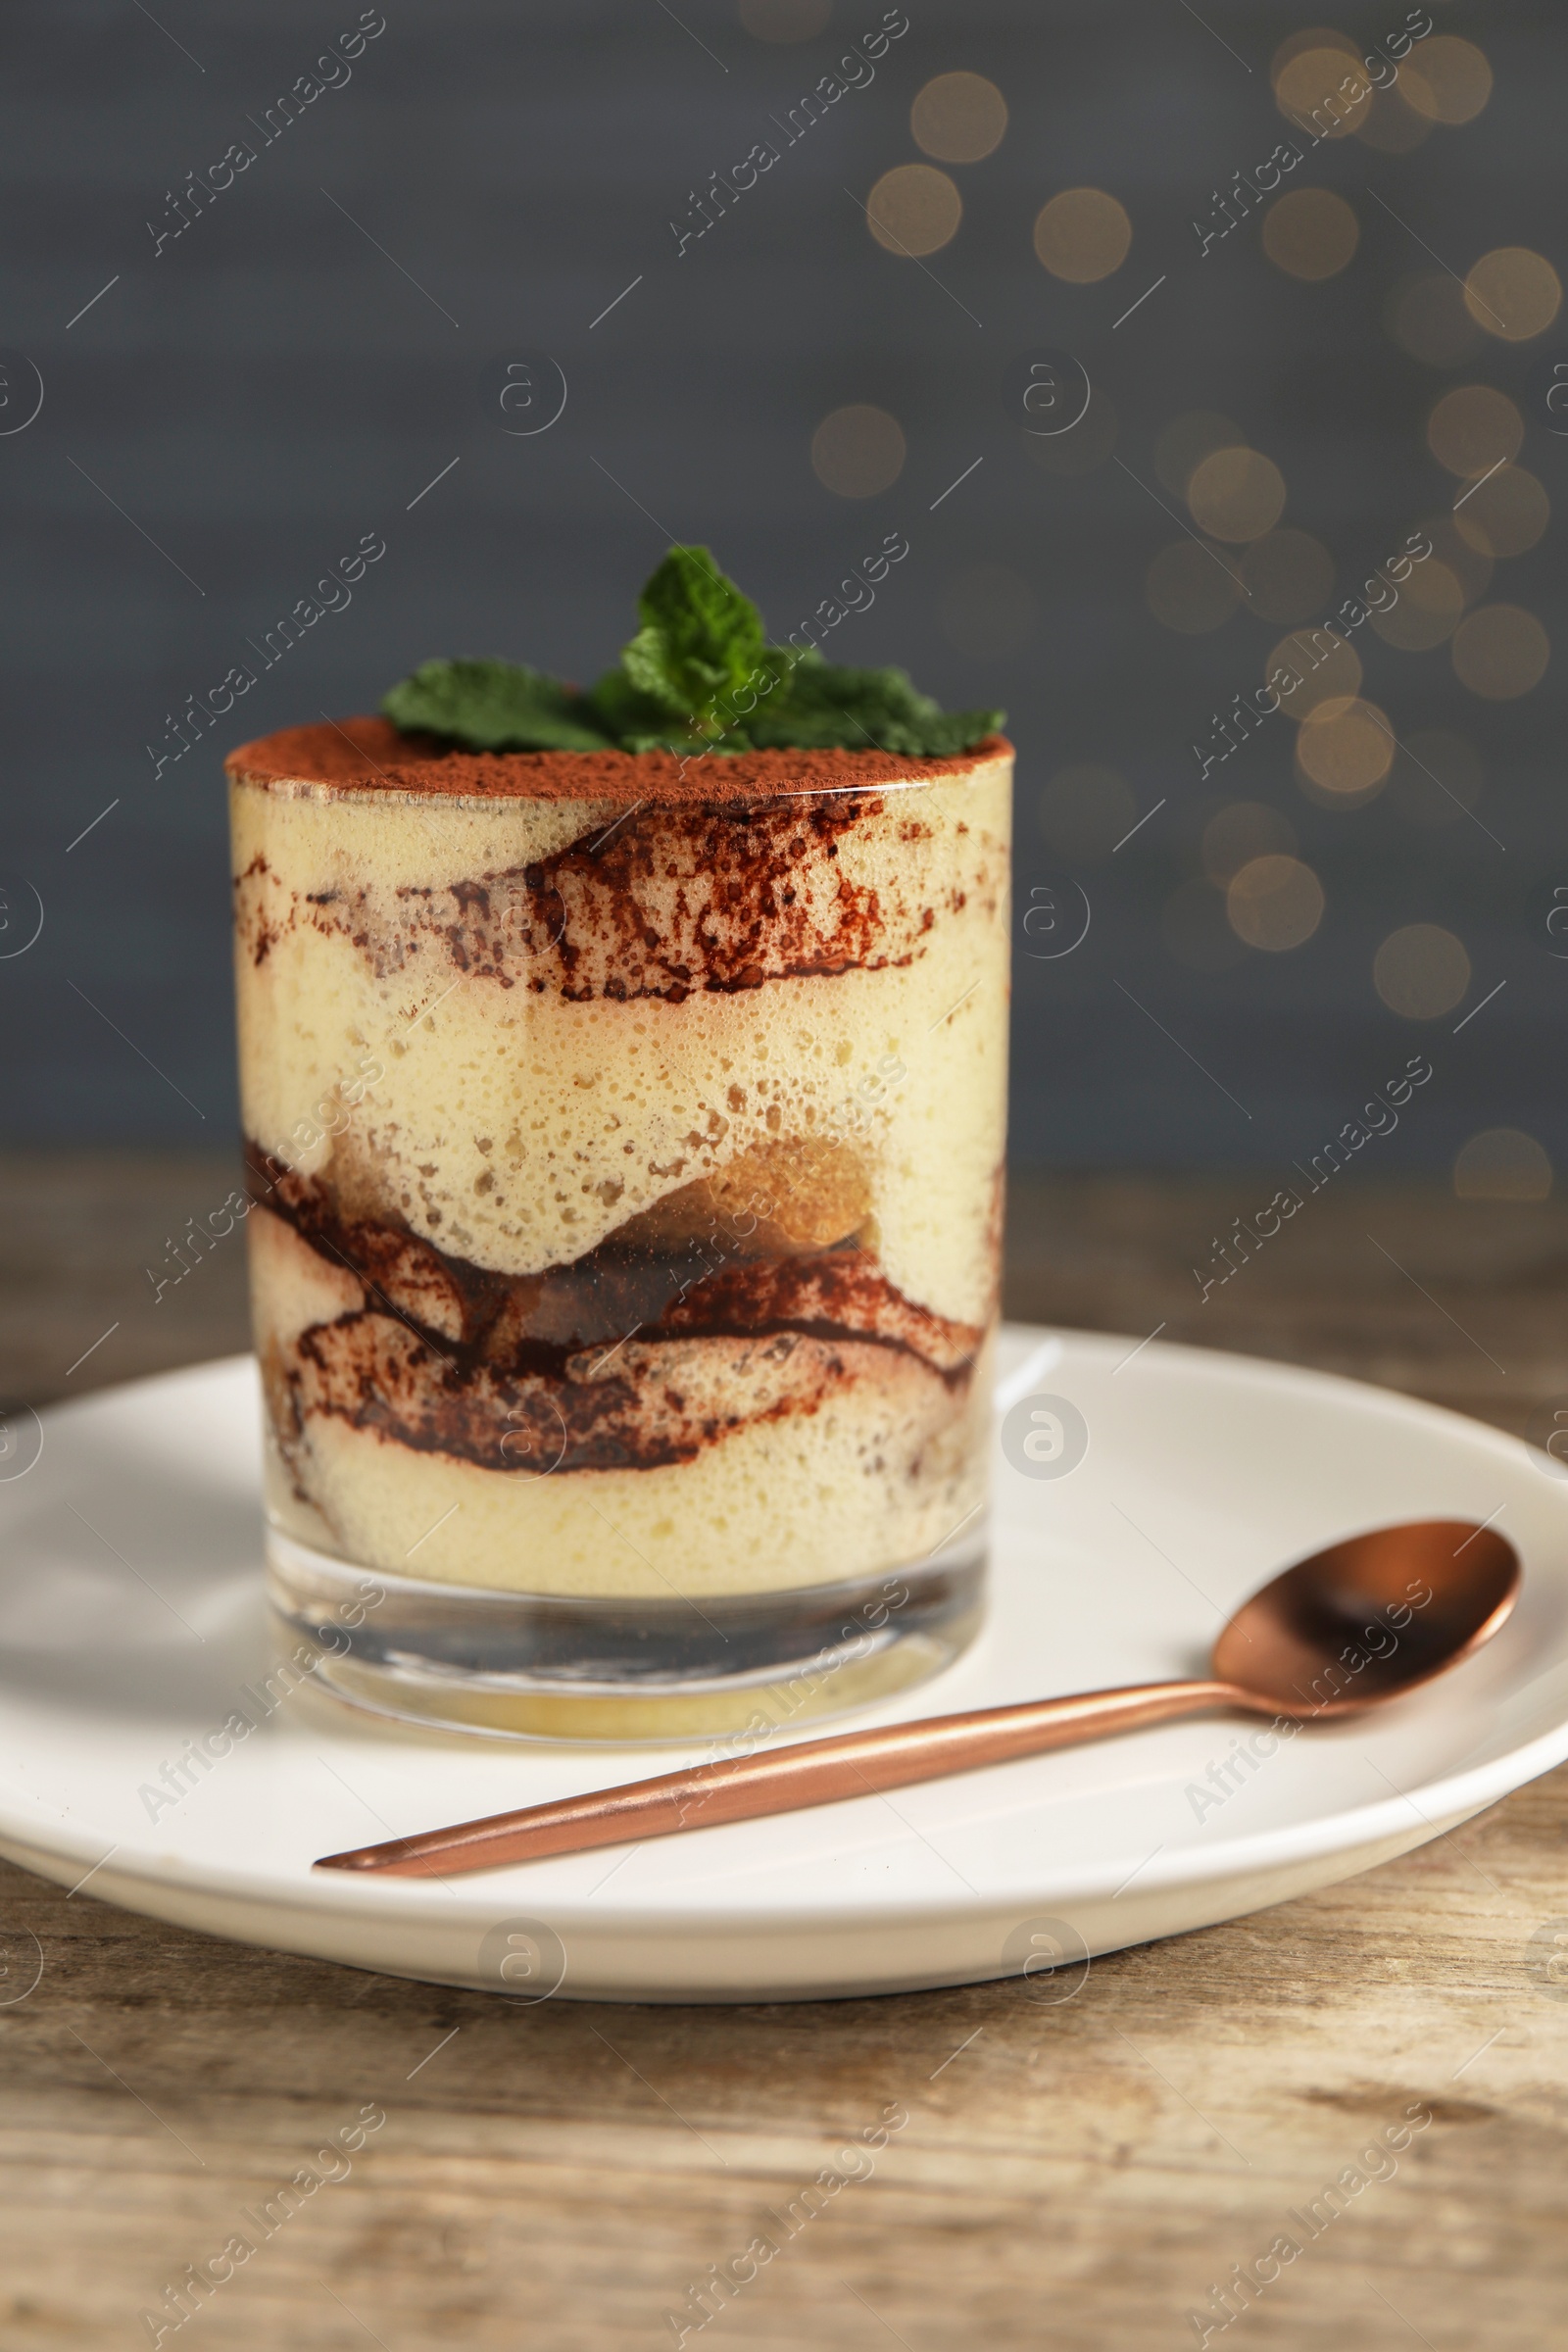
(623,1086)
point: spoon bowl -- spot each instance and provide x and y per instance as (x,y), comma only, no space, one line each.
(1368,1619)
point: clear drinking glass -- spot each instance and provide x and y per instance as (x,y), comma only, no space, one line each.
(625,1139)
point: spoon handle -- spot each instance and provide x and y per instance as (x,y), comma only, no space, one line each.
(784,1779)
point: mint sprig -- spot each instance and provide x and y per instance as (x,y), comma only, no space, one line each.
(698,676)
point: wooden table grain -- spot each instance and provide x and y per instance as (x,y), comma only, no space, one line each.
(415,2167)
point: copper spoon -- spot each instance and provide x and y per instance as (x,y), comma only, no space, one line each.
(1344,1631)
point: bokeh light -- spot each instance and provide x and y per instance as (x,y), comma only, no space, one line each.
(1473,427)
(915,208)
(1503,1163)
(1446,79)
(1085,812)
(1421,971)
(1310,36)
(1428,316)
(1235,494)
(1186,440)
(1430,602)
(858,451)
(1346,746)
(1391,126)
(987,609)
(1275,903)
(1317,90)
(1505,515)
(1247,829)
(1470,567)
(958,117)
(1513,293)
(1289,576)
(1437,777)
(785,19)
(1083,235)
(1500,651)
(1324,665)
(1310,233)
(1191,588)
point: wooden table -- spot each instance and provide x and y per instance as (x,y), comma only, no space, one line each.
(1072,2174)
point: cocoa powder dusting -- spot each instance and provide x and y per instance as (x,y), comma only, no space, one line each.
(370,755)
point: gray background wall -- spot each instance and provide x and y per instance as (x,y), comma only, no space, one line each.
(230,416)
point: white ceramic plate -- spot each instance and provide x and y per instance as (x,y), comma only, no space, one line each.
(132,1616)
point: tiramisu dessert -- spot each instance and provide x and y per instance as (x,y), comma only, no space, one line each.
(623,1085)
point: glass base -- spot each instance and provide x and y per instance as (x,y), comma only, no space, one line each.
(553,1666)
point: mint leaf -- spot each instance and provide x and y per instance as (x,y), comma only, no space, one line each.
(700,644)
(494,707)
(632,718)
(822,706)
(698,676)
